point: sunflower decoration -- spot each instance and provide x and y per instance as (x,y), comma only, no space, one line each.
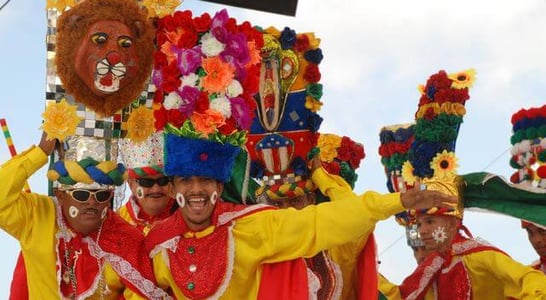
(464,79)
(140,124)
(407,173)
(328,145)
(60,120)
(444,165)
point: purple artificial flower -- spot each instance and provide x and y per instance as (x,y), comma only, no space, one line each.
(189,97)
(219,19)
(157,77)
(240,112)
(314,56)
(188,60)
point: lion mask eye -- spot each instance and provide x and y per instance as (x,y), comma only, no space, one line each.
(125,42)
(99,38)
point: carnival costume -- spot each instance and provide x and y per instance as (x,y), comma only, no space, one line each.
(471,269)
(205,105)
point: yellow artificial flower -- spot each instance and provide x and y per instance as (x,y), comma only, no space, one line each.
(421,89)
(312,104)
(464,79)
(444,165)
(160,8)
(328,144)
(273,31)
(60,120)
(407,173)
(60,5)
(424,108)
(140,124)
(453,108)
(314,42)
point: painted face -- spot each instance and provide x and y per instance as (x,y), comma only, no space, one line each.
(297,202)
(106,59)
(152,193)
(437,232)
(420,253)
(537,237)
(83,209)
(197,192)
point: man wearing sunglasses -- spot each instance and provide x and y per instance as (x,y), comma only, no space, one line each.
(150,199)
(74,245)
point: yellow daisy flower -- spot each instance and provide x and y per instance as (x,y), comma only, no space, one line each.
(464,79)
(140,124)
(312,104)
(60,120)
(444,165)
(328,144)
(273,31)
(407,173)
(160,8)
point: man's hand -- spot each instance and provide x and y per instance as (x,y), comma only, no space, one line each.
(47,145)
(416,199)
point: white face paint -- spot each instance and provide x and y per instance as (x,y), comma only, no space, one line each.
(104,212)
(213,197)
(73,212)
(140,192)
(439,235)
(180,200)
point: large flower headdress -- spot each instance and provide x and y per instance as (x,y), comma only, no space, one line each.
(440,113)
(285,127)
(206,73)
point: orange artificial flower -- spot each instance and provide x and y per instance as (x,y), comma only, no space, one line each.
(208,122)
(219,75)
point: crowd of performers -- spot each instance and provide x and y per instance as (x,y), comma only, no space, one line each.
(234,191)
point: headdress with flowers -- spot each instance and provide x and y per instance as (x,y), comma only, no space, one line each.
(529,150)
(206,73)
(286,124)
(438,118)
(395,142)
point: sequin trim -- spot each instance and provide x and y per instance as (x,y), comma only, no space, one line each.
(427,276)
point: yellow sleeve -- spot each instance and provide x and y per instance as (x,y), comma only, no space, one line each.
(17,207)
(116,286)
(163,275)
(389,289)
(518,281)
(286,234)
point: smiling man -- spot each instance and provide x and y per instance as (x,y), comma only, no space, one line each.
(73,244)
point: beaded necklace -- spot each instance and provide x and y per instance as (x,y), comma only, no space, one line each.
(69,275)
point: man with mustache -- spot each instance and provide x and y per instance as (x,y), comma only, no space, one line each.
(150,200)
(74,246)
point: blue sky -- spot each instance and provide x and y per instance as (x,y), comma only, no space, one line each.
(376,53)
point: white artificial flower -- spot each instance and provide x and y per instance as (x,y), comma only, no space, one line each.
(210,46)
(190,80)
(234,89)
(172,101)
(221,105)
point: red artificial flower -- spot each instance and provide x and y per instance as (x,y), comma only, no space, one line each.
(175,117)
(251,83)
(158,98)
(424,100)
(312,73)
(332,167)
(231,25)
(167,23)
(458,95)
(202,103)
(229,127)
(183,18)
(302,43)
(160,60)
(160,117)
(429,114)
(518,116)
(439,81)
(252,34)
(442,96)
(202,23)
(250,102)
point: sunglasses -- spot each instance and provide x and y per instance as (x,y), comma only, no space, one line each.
(84,195)
(148,182)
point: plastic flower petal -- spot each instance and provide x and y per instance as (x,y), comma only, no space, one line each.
(444,165)
(219,75)
(210,45)
(60,120)
(407,173)
(464,79)
(208,122)
(328,144)
(160,8)
(221,105)
(140,124)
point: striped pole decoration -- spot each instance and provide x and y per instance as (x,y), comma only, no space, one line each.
(11,147)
